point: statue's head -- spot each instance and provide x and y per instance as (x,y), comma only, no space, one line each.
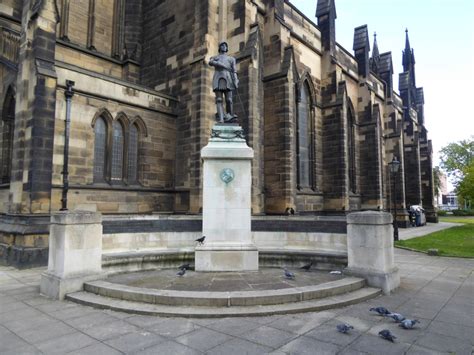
(223,47)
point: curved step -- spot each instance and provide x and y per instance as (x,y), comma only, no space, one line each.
(342,300)
(224,299)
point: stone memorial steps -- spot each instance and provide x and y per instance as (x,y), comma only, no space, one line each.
(106,295)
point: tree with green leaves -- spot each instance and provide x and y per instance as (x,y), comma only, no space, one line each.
(457,159)
(465,188)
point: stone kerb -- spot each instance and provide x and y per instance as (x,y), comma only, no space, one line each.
(370,251)
(75,252)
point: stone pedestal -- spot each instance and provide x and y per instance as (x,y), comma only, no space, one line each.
(227,186)
(75,253)
(370,249)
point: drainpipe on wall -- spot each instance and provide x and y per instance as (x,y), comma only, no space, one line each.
(69,93)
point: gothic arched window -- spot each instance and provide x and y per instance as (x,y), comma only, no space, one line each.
(100,150)
(8,125)
(305,139)
(351,149)
(116,150)
(133,154)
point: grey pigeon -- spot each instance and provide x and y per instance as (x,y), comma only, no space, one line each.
(201,240)
(344,328)
(289,274)
(181,272)
(387,335)
(397,317)
(408,323)
(380,310)
(307,266)
(185,266)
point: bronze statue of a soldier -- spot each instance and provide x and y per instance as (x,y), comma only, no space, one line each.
(224,82)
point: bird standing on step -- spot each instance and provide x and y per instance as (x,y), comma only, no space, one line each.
(380,310)
(307,266)
(408,323)
(289,274)
(387,335)
(201,240)
(344,328)
(181,272)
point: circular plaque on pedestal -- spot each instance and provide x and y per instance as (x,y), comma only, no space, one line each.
(227,175)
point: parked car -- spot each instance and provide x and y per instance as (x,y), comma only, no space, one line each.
(418,216)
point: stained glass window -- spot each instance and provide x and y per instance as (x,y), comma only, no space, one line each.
(8,122)
(117,152)
(305,144)
(133,154)
(351,151)
(100,143)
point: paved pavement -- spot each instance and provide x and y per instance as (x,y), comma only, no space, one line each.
(408,233)
(437,291)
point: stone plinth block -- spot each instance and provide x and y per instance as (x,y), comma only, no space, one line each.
(370,249)
(75,252)
(227,183)
(226,257)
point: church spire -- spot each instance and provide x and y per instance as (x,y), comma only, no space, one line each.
(407,40)
(408,55)
(409,61)
(375,51)
(374,61)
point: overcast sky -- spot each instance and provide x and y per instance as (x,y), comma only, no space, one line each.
(441,33)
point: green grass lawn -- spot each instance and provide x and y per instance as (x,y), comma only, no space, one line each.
(455,241)
(454,219)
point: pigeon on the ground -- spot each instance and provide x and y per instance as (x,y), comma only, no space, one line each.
(380,310)
(185,266)
(201,240)
(397,317)
(408,323)
(344,328)
(307,266)
(387,335)
(181,272)
(289,274)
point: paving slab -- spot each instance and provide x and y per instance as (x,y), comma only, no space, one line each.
(327,333)
(173,327)
(452,330)
(136,341)
(374,344)
(268,336)
(443,343)
(238,347)
(203,339)
(300,324)
(308,345)
(98,348)
(233,326)
(66,343)
(168,347)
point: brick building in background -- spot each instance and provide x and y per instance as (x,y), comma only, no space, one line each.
(324,122)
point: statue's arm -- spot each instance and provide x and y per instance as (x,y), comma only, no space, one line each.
(215,62)
(233,70)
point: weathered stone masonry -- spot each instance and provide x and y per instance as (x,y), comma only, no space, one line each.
(324,122)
